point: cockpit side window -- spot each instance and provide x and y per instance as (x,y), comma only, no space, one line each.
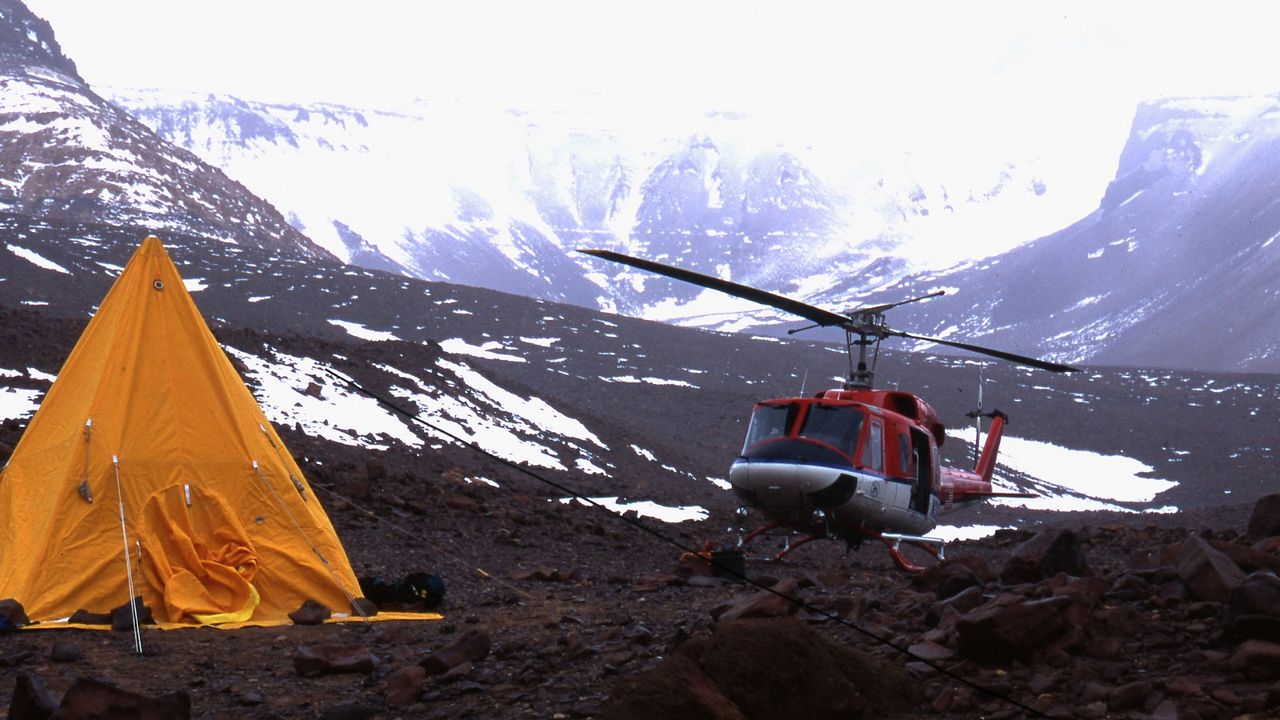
(769,422)
(835,425)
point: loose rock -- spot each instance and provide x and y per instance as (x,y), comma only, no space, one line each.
(472,646)
(1046,554)
(1265,520)
(773,602)
(326,659)
(88,699)
(1207,573)
(310,613)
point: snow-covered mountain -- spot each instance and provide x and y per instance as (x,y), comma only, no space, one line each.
(499,198)
(618,407)
(1177,266)
(65,153)
(1172,267)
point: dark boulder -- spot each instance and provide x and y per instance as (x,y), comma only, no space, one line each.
(12,615)
(310,613)
(1253,609)
(122,617)
(1207,573)
(90,699)
(723,677)
(470,647)
(31,700)
(947,579)
(328,659)
(1046,554)
(1258,659)
(962,602)
(84,617)
(675,690)
(777,601)
(404,686)
(1013,628)
(1265,520)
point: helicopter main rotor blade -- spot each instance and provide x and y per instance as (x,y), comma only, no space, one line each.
(1020,359)
(795,307)
(890,306)
(816,314)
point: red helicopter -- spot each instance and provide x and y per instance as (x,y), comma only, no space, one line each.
(853,463)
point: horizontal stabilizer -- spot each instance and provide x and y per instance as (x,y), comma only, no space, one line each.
(984,495)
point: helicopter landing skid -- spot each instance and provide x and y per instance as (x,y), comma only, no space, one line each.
(893,541)
(792,546)
(744,540)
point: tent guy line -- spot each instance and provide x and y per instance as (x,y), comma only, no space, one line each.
(426,542)
(731,571)
(298,526)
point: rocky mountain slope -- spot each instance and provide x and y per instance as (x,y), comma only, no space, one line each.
(1175,268)
(558,608)
(1181,243)
(1179,240)
(592,394)
(440,189)
(67,154)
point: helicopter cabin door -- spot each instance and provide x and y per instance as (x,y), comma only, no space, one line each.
(924,466)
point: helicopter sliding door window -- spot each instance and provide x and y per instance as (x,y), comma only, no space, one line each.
(904,456)
(926,469)
(873,453)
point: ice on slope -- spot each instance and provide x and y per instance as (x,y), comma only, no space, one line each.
(648,508)
(1067,479)
(302,391)
(359,331)
(334,412)
(36,259)
(18,403)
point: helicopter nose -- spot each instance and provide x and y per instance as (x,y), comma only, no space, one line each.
(835,494)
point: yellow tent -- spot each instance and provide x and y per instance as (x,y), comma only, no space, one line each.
(149,446)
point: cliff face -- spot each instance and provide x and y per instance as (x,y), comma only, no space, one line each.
(447,190)
(1176,267)
(26,40)
(68,155)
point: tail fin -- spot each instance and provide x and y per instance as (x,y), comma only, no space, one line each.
(987,463)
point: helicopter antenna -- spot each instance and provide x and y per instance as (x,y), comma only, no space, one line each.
(977,440)
(977,417)
(804,381)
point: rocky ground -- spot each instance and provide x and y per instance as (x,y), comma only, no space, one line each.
(558,610)
(561,610)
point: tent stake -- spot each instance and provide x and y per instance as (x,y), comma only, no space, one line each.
(128,565)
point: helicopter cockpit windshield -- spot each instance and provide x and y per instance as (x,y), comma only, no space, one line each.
(770,422)
(834,425)
(821,428)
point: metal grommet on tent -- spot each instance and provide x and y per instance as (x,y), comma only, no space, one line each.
(158,284)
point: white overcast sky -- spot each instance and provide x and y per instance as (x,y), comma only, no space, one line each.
(943,72)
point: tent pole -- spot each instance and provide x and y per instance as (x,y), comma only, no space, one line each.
(128,565)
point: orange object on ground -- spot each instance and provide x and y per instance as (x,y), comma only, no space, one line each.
(148,419)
